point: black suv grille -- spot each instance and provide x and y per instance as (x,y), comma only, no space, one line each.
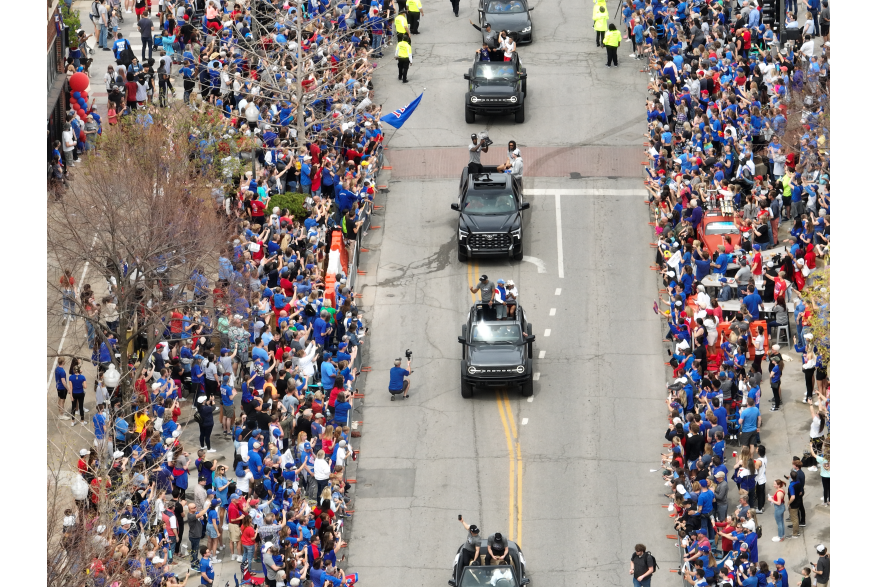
(490,241)
(495,371)
(505,100)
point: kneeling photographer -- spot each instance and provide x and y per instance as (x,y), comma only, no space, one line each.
(398,383)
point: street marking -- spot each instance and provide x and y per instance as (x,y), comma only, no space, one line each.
(633,192)
(68,322)
(552,311)
(541,354)
(535,377)
(508,439)
(559,236)
(547,332)
(520,501)
(524,421)
(557,291)
(539,263)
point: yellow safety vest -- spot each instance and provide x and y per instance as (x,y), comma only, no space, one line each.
(601,19)
(403,50)
(612,38)
(401,23)
(414,5)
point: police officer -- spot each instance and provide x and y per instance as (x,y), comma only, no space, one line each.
(415,9)
(404,54)
(601,18)
(611,42)
(401,24)
(455,4)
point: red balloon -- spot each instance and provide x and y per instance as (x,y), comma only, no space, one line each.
(81,113)
(84,95)
(78,82)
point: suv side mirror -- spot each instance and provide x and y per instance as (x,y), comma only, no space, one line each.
(523,75)
(530,337)
(455,207)
(467,76)
(461,340)
(525,205)
(528,10)
(526,580)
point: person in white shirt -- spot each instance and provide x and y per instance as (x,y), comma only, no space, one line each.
(808,47)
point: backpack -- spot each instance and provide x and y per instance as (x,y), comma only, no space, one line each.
(650,558)
(95,13)
(259,488)
(198,417)
(310,311)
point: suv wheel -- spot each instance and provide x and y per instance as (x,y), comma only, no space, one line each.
(519,113)
(466,389)
(461,256)
(527,388)
(520,255)
(470,116)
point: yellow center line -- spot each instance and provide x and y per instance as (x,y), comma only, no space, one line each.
(520,465)
(508,439)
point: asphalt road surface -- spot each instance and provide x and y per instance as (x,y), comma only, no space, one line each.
(566,474)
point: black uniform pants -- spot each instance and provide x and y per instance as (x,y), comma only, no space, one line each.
(403,68)
(611,55)
(600,35)
(413,22)
(455,4)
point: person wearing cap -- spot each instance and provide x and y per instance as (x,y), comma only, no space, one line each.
(476,147)
(822,568)
(398,383)
(472,544)
(487,289)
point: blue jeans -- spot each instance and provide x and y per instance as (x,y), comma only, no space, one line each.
(89,329)
(102,37)
(248,553)
(647,582)
(376,43)
(779,517)
(147,44)
(68,300)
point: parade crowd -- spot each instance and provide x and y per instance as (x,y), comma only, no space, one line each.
(268,345)
(739,183)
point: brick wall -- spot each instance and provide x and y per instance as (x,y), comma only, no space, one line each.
(50,28)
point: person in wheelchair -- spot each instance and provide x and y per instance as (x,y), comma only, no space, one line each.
(498,550)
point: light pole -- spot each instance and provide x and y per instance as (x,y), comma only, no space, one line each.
(252,114)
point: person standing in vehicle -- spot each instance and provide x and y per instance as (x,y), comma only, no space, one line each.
(473,542)
(475,149)
(611,41)
(487,289)
(415,9)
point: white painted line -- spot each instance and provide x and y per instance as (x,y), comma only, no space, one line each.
(547,332)
(552,311)
(559,236)
(632,192)
(539,263)
(557,291)
(524,421)
(536,376)
(136,47)
(541,354)
(530,400)
(67,324)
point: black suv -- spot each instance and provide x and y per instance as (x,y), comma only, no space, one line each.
(496,353)
(496,87)
(491,220)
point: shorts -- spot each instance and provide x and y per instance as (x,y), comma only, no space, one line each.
(211,531)
(747,438)
(821,374)
(234,533)
(228,411)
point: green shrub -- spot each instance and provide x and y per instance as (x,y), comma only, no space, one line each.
(71,19)
(294,202)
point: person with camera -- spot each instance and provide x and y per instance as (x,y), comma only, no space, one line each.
(398,383)
(478,146)
(204,417)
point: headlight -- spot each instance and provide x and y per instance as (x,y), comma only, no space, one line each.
(472,370)
(473,99)
(513,99)
(521,369)
(462,233)
(527,30)
(516,233)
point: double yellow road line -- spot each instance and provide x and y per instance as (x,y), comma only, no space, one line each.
(516,463)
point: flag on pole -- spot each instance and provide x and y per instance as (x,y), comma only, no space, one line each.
(397,118)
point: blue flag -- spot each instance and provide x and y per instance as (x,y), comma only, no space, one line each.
(397,118)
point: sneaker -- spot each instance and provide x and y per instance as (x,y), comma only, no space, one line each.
(73,424)
(86,410)
(795,536)
(393,397)
(212,450)
(774,409)
(804,401)
(776,538)
(814,469)
(215,560)
(202,447)
(757,511)
(802,525)
(63,417)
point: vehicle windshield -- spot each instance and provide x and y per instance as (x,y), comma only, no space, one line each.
(720,228)
(505,7)
(496,333)
(482,576)
(482,204)
(494,70)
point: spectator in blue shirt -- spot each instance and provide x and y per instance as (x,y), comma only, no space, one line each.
(753,302)
(750,424)
(720,265)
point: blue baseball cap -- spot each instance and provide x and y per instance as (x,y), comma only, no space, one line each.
(779,561)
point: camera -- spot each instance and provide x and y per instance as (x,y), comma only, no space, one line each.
(408,354)
(485,138)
